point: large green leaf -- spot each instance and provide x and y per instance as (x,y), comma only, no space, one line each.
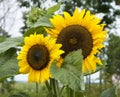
(54,8)
(109,93)
(37,30)
(71,71)
(9,43)
(43,21)
(8,64)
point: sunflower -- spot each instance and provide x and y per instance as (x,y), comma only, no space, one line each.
(79,31)
(36,56)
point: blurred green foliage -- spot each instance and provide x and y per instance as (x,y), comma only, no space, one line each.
(113,53)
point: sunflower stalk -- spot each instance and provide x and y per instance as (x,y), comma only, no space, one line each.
(47,85)
(57,88)
(36,87)
(70,92)
(61,90)
(116,90)
(54,87)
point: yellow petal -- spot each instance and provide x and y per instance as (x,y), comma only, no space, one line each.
(24,69)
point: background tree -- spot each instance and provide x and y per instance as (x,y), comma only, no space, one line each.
(30,3)
(9,10)
(113,53)
(3,32)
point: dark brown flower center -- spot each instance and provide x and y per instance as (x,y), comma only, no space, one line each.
(38,57)
(75,37)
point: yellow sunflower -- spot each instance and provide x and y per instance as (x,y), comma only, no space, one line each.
(36,56)
(80,31)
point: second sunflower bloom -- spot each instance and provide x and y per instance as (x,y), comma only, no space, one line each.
(80,31)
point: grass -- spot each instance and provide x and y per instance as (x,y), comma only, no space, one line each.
(30,88)
(27,88)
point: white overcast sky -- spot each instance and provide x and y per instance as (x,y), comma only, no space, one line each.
(13,16)
(13,19)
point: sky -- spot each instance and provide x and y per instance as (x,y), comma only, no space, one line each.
(14,18)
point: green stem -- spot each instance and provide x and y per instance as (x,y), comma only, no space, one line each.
(116,90)
(61,90)
(70,92)
(56,84)
(55,87)
(36,87)
(48,86)
(67,91)
(52,88)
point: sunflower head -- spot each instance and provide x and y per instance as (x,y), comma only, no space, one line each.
(36,56)
(79,31)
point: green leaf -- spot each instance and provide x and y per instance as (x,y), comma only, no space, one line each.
(10,43)
(38,27)
(70,73)
(109,93)
(37,30)
(8,64)
(43,21)
(54,8)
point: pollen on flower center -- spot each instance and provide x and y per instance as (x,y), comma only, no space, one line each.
(73,40)
(38,57)
(75,37)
